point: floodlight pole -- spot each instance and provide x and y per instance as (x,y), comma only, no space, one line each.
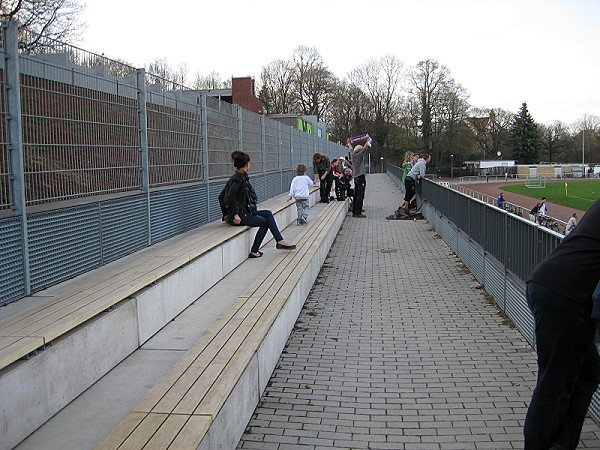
(583,152)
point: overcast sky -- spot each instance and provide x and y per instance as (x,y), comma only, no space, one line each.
(504,52)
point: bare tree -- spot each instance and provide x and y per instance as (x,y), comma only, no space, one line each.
(450,132)
(211,81)
(428,80)
(169,79)
(491,130)
(41,21)
(314,83)
(553,138)
(346,116)
(441,103)
(380,81)
(277,87)
(585,131)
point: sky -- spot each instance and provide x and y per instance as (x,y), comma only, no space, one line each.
(503,52)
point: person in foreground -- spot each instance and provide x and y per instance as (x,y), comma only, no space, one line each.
(238,205)
(559,294)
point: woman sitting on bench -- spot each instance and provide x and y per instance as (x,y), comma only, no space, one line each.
(238,205)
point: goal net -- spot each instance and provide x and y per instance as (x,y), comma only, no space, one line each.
(535,182)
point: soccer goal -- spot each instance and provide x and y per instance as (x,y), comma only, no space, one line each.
(535,182)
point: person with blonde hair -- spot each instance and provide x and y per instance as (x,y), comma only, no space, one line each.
(407,164)
(300,190)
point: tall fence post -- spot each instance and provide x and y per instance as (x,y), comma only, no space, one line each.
(280,154)
(204,146)
(142,98)
(17,191)
(263,151)
(239,120)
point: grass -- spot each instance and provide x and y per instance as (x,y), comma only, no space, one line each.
(581,193)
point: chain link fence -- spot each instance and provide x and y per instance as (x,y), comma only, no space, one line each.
(99,159)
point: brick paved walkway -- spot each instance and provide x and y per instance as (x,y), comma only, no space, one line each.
(397,347)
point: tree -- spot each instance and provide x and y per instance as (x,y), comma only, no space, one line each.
(438,103)
(41,21)
(164,76)
(211,81)
(380,81)
(277,87)
(313,82)
(346,115)
(586,130)
(427,81)
(524,137)
(491,129)
(553,139)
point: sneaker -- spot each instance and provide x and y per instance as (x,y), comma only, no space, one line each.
(303,221)
(359,215)
(298,222)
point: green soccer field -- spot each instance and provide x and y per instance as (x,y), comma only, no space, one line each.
(580,194)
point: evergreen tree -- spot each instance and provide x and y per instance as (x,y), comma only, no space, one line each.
(525,140)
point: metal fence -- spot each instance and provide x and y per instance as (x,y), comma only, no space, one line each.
(499,248)
(99,160)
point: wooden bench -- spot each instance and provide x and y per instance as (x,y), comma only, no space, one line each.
(65,319)
(62,308)
(182,410)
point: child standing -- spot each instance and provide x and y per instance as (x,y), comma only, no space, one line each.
(299,191)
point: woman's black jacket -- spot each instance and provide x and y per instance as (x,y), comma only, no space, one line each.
(233,199)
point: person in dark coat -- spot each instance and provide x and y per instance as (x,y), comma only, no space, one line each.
(238,205)
(560,294)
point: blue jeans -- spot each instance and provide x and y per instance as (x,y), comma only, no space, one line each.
(303,207)
(264,220)
(568,369)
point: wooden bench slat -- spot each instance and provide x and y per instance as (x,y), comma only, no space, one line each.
(142,434)
(191,434)
(199,384)
(210,362)
(121,432)
(166,394)
(219,390)
(167,432)
(14,348)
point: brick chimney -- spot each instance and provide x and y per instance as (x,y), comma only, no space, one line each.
(242,93)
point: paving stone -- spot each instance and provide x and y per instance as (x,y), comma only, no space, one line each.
(400,348)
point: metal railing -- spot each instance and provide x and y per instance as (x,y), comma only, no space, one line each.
(500,249)
(100,159)
(513,208)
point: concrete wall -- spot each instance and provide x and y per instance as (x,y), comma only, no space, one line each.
(229,425)
(32,391)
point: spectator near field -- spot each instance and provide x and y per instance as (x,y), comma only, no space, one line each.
(571,224)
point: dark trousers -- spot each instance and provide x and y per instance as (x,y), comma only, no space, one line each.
(360,184)
(568,369)
(264,220)
(325,186)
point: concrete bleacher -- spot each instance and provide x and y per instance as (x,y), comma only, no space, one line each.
(208,397)
(87,325)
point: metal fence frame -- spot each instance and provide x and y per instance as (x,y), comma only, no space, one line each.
(500,249)
(99,160)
